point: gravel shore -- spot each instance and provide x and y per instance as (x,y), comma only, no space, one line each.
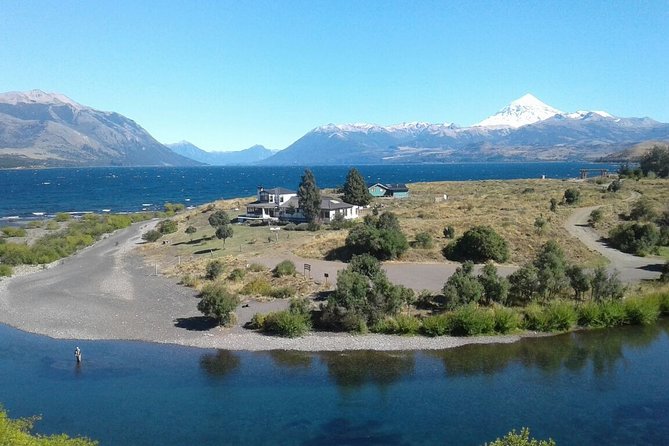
(107,292)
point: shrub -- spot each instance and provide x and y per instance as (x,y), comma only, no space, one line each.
(520,439)
(300,305)
(257,267)
(534,318)
(540,224)
(643,210)
(506,320)
(560,316)
(449,232)
(257,287)
(217,302)
(615,186)
(173,208)
(657,161)
(5,270)
(634,238)
(572,195)
(478,244)
(313,226)
(167,227)
(439,325)
(381,237)
(339,222)
(590,315)
(151,236)
(287,324)
(523,284)
(470,320)
(214,269)
(284,268)
(462,287)
(400,324)
(283,292)
(595,217)
(18,433)
(495,288)
(62,216)
(257,321)
(605,286)
(12,231)
(189,281)
(218,218)
(236,274)
(302,227)
(424,240)
(612,313)
(289,227)
(641,311)
(554,203)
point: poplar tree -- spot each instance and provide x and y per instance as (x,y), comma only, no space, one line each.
(309,196)
(355,189)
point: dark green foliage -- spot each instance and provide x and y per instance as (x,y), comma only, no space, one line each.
(219,218)
(605,285)
(173,208)
(615,186)
(439,325)
(449,232)
(664,276)
(635,238)
(641,311)
(656,161)
(382,237)
(257,287)
(424,240)
(284,268)
(214,269)
(595,217)
(470,320)
(62,217)
(524,283)
(224,232)
(572,196)
(286,324)
(309,196)
(401,324)
(626,171)
(339,222)
(363,297)
(556,316)
(495,288)
(355,189)
(151,235)
(478,244)
(462,287)
(554,203)
(643,210)
(551,270)
(190,231)
(236,274)
(217,302)
(290,227)
(167,227)
(521,438)
(17,433)
(612,313)
(578,280)
(5,270)
(506,320)
(12,231)
(313,226)
(540,224)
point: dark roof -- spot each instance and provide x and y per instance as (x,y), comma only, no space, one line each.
(393,187)
(279,190)
(330,203)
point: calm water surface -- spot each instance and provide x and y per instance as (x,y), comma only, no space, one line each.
(602,387)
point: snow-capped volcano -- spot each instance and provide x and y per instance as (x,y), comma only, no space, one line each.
(522,111)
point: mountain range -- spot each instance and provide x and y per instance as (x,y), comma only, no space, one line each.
(39,129)
(525,130)
(233,158)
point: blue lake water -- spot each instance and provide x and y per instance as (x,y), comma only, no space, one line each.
(592,388)
(121,189)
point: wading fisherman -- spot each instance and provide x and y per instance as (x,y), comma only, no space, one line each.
(77,354)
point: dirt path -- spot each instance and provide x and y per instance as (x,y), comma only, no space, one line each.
(630,267)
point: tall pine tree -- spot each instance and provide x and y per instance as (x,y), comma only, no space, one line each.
(309,196)
(355,189)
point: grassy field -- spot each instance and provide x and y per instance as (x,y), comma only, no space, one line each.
(511,207)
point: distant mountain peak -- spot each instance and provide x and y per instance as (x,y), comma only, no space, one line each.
(523,111)
(38,97)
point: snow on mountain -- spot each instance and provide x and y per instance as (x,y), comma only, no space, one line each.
(580,114)
(38,97)
(523,111)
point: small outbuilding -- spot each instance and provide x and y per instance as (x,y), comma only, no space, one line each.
(398,190)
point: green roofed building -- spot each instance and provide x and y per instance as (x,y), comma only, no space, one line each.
(398,190)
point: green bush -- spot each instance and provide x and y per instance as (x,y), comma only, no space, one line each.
(641,311)
(560,316)
(257,267)
(595,217)
(257,287)
(635,238)
(462,287)
(438,325)
(424,240)
(302,227)
(283,292)
(290,227)
(643,210)
(17,433)
(470,320)
(534,317)
(189,281)
(12,231)
(615,186)
(478,244)
(287,324)
(506,320)
(380,237)
(284,268)
(214,269)
(590,315)
(236,274)
(5,270)
(612,313)
(572,195)
(217,302)
(173,208)
(257,321)
(400,324)
(167,227)
(151,235)
(520,439)
(62,216)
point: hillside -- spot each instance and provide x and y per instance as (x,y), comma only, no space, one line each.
(233,158)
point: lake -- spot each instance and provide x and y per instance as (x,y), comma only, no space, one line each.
(587,388)
(129,189)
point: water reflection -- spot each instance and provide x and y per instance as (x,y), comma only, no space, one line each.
(351,370)
(220,364)
(573,351)
(341,431)
(291,359)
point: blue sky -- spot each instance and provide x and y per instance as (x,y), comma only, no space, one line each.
(229,74)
